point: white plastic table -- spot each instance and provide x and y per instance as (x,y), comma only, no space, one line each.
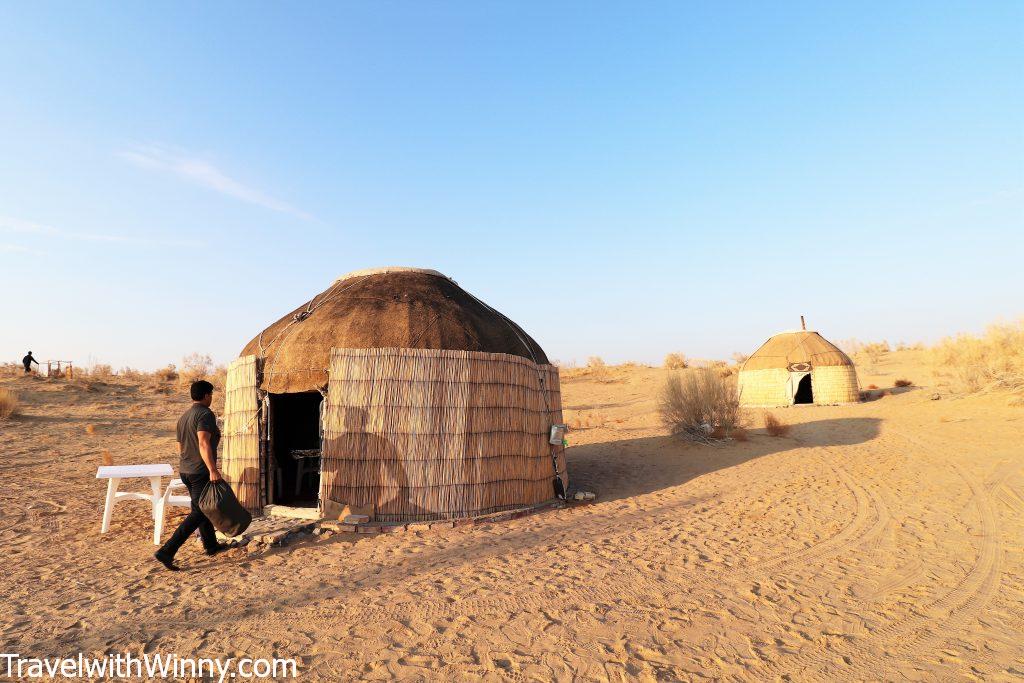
(115,473)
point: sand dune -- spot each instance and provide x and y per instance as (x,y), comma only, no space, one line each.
(878,541)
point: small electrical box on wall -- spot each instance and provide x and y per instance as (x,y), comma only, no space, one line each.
(557,435)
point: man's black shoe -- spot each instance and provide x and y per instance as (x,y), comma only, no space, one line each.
(219,548)
(166,561)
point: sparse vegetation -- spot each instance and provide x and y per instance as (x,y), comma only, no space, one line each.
(100,371)
(740,358)
(11,370)
(972,364)
(195,366)
(774,426)
(903,383)
(676,361)
(874,352)
(8,403)
(167,374)
(698,402)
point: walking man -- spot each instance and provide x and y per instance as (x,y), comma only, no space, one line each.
(198,436)
(27,361)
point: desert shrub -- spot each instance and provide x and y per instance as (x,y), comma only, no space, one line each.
(11,370)
(903,383)
(101,371)
(972,364)
(774,426)
(740,358)
(676,361)
(131,374)
(8,403)
(875,351)
(167,374)
(695,403)
(218,377)
(596,369)
(195,366)
(740,434)
(872,386)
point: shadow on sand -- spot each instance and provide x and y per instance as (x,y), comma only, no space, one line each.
(634,467)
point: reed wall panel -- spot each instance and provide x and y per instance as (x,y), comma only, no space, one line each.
(769,388)
(421,434)
(239,459)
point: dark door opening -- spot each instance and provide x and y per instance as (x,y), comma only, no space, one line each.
(295,448)
(804,392)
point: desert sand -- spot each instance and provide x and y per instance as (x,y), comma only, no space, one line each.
(880,541)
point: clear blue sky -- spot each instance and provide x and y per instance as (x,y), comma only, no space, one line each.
(622,179)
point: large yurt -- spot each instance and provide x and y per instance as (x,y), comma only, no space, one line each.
(798,367)
(397,393)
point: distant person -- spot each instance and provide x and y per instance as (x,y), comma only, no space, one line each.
(27,361)
(198,436)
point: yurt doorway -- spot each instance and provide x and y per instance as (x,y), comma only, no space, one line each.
(804,390)
(295,448)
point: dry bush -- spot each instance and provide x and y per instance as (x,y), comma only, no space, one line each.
(903,383)
(131,374)
(90,429)
(994,361)
(874,351)
(587,421)
(11,370)
(676,361)
(696,402)
(740,358)
(219,378)
(774,426)
(872,386)
(168,374)
(100,371)
(597,370)
(8,403)
(195,366)
(740,434)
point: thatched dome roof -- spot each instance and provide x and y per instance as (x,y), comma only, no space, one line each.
(801,346)
(393,307)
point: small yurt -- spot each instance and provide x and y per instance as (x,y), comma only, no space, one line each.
(399,394)
(798,367)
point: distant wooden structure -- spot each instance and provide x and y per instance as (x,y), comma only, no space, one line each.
(60,368)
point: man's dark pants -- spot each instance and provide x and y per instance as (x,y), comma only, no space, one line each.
(195,519)
(28,368)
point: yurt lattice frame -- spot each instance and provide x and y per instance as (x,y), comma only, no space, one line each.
(792,363)
(410,434)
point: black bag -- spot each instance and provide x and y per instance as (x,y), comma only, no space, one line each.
(218,503)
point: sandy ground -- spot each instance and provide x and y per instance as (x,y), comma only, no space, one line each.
(878,541)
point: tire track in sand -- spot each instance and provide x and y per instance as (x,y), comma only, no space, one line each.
(916,631)
(871,517)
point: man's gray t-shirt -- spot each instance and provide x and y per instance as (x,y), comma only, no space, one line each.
(198,418)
